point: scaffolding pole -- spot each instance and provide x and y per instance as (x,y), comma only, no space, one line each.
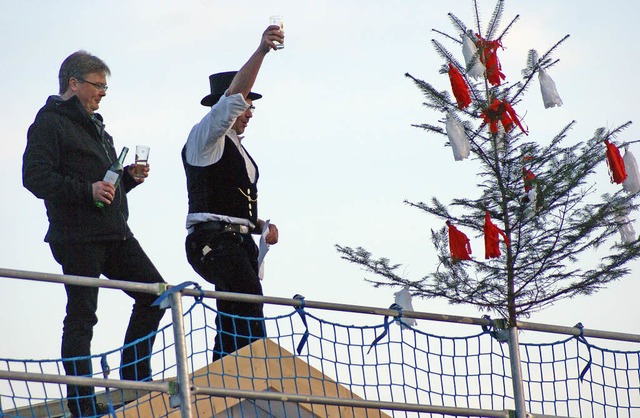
(184,385)
(516,373)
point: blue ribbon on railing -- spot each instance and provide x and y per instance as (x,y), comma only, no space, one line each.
(499,334)
(583,340)
(386,325)
(105,372)
(162,299)
(491,325)
(303,317)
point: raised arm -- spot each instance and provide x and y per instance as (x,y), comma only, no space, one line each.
(246,77)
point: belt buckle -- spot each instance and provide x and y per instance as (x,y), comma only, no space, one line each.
(241,229)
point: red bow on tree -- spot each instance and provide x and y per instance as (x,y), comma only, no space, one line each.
(459,87)
(489,57)
(459,245)
(501,110)
(528,179)
(491,238)
(616,163)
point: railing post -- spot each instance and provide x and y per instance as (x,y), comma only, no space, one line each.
(516,373)
(184,385)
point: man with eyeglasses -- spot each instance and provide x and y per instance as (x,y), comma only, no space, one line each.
(223,200)
(67,155)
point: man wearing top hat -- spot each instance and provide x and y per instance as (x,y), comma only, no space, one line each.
(223,200)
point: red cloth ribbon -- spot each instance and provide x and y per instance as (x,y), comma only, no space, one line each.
(459,245)
(459,87)
(528,179)
(514,116)
(489,57)
(616,163)
(491,238)
(491,116)
(501,110)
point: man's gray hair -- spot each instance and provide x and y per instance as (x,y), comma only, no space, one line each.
(78,65)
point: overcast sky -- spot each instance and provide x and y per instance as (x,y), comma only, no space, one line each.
(332,136)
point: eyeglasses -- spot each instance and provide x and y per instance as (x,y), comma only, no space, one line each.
(99,86)
(252,108)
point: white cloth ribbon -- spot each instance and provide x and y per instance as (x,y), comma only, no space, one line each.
(457,138)
(550,95)
(403,298)
(627,233)
(470,52)
(632,183)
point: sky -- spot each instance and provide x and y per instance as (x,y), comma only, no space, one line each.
(333,137)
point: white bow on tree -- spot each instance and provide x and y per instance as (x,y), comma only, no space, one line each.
(632,183)
(457,138)
(550,95)
(470,52)
(627,233)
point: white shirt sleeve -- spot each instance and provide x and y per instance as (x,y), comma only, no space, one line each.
(205,143)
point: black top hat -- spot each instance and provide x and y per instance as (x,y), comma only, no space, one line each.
(220,82)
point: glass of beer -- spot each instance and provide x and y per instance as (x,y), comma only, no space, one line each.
(142,158)
(278,20)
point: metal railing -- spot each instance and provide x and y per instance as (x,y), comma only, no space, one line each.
(183,390)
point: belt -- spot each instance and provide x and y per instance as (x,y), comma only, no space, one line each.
(217,226)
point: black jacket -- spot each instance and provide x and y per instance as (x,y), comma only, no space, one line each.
(66,153)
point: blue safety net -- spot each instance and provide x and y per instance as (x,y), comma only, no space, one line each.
(307,354)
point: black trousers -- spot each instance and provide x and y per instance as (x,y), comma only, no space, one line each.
(117,260)
(232,266)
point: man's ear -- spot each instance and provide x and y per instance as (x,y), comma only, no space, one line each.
(71,89)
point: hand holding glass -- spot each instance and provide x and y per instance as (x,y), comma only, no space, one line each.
(278,21)
(142,157)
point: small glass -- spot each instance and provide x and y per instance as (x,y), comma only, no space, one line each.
(278,20)
(142,158)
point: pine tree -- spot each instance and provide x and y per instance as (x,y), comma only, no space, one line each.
(539,197)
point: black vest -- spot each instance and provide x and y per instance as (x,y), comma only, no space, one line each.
(223,188)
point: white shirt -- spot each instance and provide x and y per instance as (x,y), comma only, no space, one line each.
(205,146)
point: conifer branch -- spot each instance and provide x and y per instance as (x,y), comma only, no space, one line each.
(447,36)
(457,23)
(476,11)
(494,22)
(509,26)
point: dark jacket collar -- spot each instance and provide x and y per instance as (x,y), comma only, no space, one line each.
(71,108)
